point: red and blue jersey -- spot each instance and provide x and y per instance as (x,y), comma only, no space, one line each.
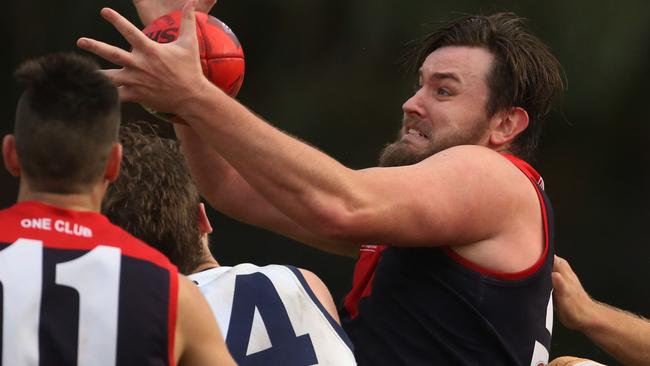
(78,290)
(430,306)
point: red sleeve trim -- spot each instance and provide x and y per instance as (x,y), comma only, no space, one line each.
(512,276)
(173,310)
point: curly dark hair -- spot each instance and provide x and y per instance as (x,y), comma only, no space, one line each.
(524,72)
(154,197)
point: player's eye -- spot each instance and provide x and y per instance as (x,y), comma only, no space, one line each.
(443,92)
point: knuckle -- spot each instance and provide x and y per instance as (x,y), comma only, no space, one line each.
(116,57)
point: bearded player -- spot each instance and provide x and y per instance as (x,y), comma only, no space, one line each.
(77,290)
(453,232)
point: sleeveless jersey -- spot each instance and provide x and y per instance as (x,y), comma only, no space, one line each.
(430,306)
(77,290)
(270,316)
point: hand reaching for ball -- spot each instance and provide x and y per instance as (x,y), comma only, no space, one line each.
(162,76)
(221,54)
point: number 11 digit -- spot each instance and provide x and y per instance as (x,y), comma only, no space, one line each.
(96,277)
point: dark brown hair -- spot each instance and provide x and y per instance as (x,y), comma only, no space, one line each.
(66,122)
(524,72)
(154,198)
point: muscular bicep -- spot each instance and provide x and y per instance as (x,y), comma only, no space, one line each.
(459,196)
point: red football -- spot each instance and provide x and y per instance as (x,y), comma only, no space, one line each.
(222,57)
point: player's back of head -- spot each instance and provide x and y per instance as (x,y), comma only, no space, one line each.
(66,123)
(154,198)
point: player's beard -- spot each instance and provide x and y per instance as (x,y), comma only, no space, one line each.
(402,152)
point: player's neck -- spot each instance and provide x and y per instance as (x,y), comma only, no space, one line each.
(90,201)
(206,264)
(207,261)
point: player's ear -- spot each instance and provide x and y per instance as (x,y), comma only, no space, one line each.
(113,163)
(508,125)
(9,155)
(204,223)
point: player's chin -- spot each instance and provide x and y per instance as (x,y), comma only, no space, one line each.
(402,153)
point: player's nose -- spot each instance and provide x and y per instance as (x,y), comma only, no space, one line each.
(413,105)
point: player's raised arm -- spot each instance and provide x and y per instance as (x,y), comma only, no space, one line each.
(132,87)
(137,76)
(308,186)
(225,189)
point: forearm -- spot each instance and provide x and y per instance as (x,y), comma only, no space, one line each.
(302,182)
(226,191)
(623,335)
(217,181)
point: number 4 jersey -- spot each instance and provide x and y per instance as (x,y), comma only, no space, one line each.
(77,290)
(270,316)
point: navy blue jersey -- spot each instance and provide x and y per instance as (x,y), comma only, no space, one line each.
(77,290)
(430,306)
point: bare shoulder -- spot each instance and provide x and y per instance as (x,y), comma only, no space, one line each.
(463,195)
(188,292)
(322,292)
(483,168)
(474,158)
(503,201)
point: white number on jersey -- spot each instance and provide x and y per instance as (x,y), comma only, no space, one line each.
(21,274)
(540,353)
(286,348)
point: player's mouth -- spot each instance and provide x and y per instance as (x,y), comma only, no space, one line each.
(415,135)
(415,131)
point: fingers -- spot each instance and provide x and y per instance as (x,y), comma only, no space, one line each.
(561,265)
(130,32)
(109,53)
(187,34)
(558,283)
(126,94)
(123,80)
(567,272)
(119,77)
(561,270)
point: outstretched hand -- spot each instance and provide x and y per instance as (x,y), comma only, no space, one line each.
(571,300)
(149,10)
(161,76)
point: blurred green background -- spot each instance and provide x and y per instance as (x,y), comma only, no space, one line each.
(328,71)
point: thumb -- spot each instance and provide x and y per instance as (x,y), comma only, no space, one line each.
(187,34)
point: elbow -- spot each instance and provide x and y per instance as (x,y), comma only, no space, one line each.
(340,224)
